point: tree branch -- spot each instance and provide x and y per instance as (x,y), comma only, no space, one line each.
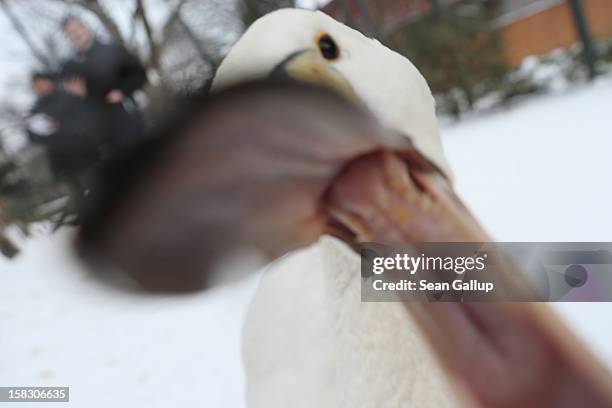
(197,44)
(154,51)
(108,23)
(23,33)
(172,19)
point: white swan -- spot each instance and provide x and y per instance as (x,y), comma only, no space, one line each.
(308,340)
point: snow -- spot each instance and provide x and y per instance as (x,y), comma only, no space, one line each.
(311,4)
(534,172)
(540,172)
(60,328)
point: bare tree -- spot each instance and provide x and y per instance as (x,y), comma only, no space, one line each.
(141,14)
(180,47)
(186,24)
(253,9)
(23,33)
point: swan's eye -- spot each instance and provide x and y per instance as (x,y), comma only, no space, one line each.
(328,47)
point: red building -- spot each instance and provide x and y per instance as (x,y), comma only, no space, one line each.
(529,27)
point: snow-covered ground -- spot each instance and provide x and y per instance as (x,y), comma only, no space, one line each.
(60,328)
(536,172)
(541,172)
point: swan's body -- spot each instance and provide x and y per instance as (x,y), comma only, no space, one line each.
(308,340)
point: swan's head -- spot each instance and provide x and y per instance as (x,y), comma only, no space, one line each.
(313,47)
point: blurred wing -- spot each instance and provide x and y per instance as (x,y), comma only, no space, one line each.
(250,167)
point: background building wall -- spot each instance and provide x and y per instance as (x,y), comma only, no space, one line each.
(552,27)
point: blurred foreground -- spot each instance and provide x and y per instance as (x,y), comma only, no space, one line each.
(535,172)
